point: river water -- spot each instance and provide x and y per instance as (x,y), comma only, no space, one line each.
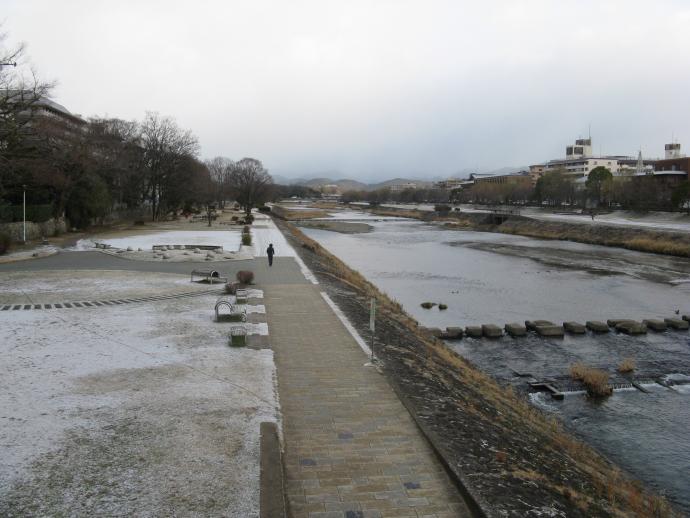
(494,278)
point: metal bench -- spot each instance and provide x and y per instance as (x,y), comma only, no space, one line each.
(210,276)
(236,313)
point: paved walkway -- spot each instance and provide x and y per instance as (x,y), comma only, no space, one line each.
(352,450)
(285,270)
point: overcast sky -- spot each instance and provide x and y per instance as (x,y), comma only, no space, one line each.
(375,89)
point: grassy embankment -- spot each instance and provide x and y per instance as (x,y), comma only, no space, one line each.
(641,240)
(520,448)
(292,214)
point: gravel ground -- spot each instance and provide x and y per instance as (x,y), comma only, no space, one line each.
(140,409)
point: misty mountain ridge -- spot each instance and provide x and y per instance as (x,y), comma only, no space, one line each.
(347,184)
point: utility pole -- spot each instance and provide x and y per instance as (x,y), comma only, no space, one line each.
(372,326)
(24,211)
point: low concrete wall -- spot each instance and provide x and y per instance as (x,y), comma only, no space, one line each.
(34,230)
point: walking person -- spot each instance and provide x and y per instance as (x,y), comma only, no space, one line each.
(269,252)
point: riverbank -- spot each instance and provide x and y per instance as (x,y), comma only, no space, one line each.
(642,240)
(343,227)
(511,458)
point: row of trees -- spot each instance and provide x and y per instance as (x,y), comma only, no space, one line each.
(398,196)
(600,190)
(86,170)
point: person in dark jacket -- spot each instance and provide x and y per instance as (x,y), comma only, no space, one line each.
(269,252)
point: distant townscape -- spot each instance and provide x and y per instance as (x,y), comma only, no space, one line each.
(580,179)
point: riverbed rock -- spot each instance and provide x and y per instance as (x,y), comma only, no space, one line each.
(130,249)
(631,327)
(515,329)
(473,331)
(491,331)
(553,331)
(453,333)
(686,318)
(677,323)
(655,324)
(532,324)
(574,328)
(597,327)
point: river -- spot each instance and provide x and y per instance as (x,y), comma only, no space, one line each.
(495,278)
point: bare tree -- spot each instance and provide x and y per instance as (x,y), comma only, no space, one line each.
(19,93)
(166,146)
(251,183)
(220,169)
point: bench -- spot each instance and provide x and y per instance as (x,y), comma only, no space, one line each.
(236,313)
(209,276)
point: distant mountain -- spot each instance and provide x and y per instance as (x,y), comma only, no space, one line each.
(343,185)
(399,181)
(355,185)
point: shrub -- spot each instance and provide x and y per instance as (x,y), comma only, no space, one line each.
(596,381)
(231,288)
(234,218)
(442,208)
(246,229)
(428,305)
(245,276)
(246,239)
(442,306)
(5,242)
(249,219)
(265,209)
(627,365)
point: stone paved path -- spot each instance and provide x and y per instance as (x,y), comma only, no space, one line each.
(352,450)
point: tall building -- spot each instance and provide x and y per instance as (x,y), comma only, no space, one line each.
(672,151)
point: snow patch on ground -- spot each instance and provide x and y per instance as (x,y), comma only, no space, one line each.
(63,286)
(230,240)
(133,409)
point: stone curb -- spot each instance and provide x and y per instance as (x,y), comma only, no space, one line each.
(272,484)
(479,507)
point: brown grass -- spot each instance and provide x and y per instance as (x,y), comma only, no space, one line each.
(627,365)
(288,214)
(595,380)
(625,496)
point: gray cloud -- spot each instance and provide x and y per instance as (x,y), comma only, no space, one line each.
(375,89)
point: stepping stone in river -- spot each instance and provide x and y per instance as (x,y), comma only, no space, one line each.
(514,329)
(597,327)
(453,333)
(574,328)
(655,324)
(552,331)
(491,331)
(473,331)
(433,331)
(677,323)
(630,327)
(532,324)
(613,322)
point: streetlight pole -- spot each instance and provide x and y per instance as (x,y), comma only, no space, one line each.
(24,191)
